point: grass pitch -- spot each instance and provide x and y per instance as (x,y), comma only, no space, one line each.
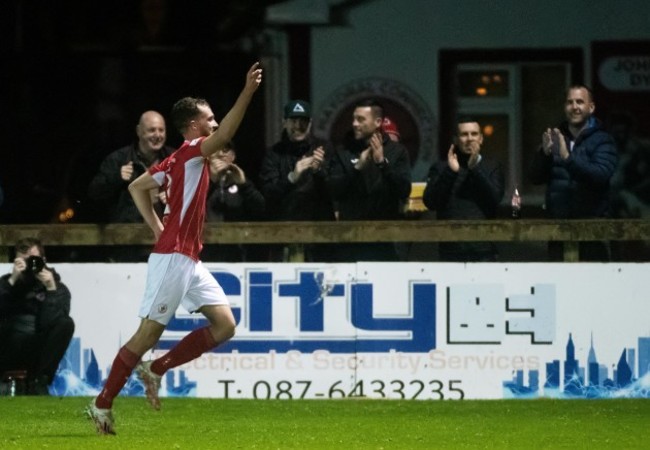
(53,423)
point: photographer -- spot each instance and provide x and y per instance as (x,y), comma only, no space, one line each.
(35,326)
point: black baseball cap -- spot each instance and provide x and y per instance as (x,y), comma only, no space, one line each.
(297,108)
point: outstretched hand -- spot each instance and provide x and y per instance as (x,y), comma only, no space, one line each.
(253,78)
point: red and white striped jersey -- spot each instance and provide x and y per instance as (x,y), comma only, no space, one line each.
(184,176)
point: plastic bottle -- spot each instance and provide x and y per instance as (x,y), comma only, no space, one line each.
(516,204)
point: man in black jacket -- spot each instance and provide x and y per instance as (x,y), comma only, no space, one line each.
(370,179)
(293,175)
(109,187)
(466,185)
(35,323)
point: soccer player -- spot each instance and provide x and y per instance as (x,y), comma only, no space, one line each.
(175,275)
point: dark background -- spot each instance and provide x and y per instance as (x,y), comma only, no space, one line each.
(76,75)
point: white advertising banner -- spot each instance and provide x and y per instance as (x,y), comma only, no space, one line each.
(424,331)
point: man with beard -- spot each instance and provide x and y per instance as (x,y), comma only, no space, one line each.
(175,274)
(577,161)
(370,179)
(293,177)
(466,185)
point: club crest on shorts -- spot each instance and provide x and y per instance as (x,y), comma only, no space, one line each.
(162,309)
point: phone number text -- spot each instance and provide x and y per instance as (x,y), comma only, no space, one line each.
(304,389)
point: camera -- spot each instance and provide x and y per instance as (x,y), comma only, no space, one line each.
(35,264)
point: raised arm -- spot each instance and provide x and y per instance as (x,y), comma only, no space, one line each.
(230,123)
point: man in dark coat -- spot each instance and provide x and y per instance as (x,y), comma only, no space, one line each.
(370,179)
(109,187)
(467,185)
(293,177)
(35,323)
(577,161)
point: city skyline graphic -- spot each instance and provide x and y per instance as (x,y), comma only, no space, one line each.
(629,377)
(79,374)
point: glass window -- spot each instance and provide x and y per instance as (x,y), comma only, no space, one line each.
(483,83)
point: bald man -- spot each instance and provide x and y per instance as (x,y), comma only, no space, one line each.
(109,187)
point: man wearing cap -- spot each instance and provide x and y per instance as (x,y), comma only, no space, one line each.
(293,175)
(370,179)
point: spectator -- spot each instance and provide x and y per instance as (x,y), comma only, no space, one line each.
(109,187)
(466,185)
(577,161)
(293,175)
(232,198)
(35,323)
(631,182)
(370,179)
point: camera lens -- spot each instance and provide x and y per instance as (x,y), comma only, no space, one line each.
(35,264)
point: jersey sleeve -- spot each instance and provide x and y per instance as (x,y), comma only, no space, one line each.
(188,150)
(158,171)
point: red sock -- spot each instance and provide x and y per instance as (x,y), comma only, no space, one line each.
(190,347)
(122,367)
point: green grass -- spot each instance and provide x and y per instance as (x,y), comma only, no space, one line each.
(52,423)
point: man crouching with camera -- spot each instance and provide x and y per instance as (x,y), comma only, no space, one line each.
(35,323)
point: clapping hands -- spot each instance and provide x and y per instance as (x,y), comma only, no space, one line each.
(553,140)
